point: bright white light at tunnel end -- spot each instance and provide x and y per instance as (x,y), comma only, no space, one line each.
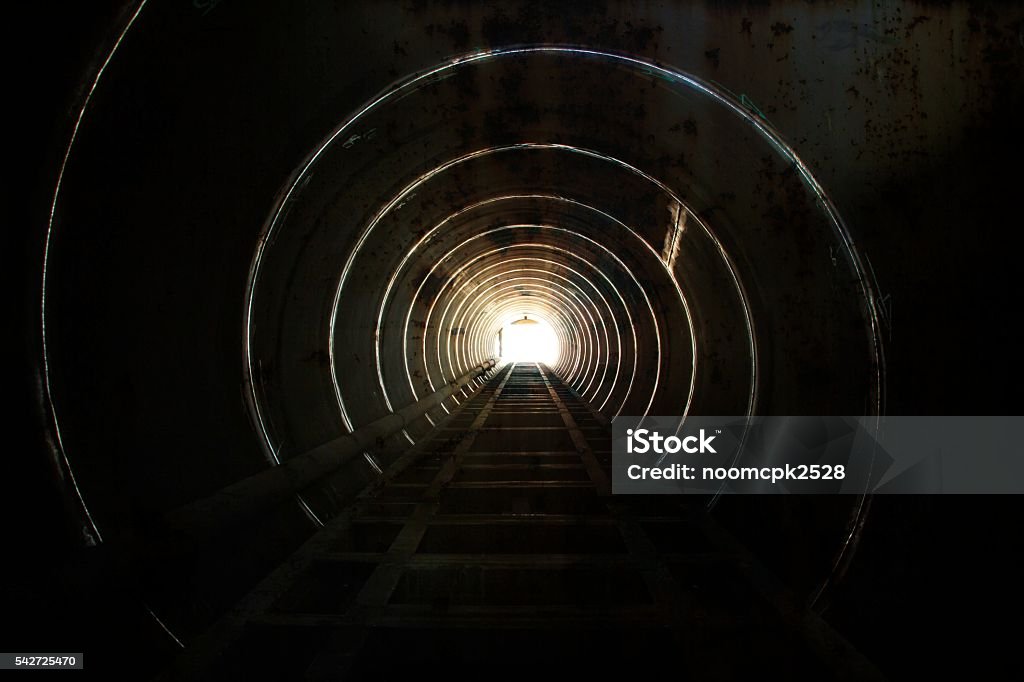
(527,338)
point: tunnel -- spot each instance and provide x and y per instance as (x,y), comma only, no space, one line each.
(333,324)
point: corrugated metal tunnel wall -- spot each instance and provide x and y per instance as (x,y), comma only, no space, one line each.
(276,225)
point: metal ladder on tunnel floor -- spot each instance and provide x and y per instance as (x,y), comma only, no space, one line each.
(495,543)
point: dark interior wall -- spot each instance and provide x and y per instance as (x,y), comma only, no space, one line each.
(905,112)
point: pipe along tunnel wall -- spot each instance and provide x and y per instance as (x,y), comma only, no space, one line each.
(683,255)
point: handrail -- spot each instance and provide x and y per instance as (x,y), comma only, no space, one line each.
(239,501)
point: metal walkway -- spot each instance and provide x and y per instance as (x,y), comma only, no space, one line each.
(494,546)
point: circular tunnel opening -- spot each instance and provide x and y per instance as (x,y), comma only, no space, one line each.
(639,231)
(682,253)
(528,339)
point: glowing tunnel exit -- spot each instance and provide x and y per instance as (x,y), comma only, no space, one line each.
(527,339)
